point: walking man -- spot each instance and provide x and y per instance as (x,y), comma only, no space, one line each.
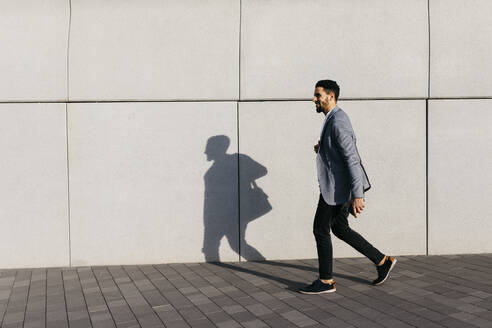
(342,181)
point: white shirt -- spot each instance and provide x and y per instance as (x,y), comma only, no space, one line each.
(326,119)
(319,162)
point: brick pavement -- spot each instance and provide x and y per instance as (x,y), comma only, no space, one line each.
(423,291)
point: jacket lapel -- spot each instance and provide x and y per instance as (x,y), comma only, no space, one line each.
(333,111)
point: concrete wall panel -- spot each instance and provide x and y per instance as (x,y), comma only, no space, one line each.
(34,185)
(375,48)
(33,60)
(280,136)
(461,43)
(142,190)
(460,144)
(153,50)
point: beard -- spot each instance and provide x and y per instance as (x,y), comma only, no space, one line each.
(319,109)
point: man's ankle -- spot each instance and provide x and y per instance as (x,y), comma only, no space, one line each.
(327,281)
(382,261)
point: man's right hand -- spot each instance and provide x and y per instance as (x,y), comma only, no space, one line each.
(358,205)
(316,147)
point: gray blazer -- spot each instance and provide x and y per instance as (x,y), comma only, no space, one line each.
(341,175)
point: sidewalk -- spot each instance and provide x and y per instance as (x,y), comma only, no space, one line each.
(423,291)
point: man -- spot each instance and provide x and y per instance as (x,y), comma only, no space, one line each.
(342,181)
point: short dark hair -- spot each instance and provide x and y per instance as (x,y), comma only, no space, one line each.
(329,85)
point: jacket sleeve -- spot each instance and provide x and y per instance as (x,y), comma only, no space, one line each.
(345,141)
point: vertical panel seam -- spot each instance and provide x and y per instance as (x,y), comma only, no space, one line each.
(68,188)
(66,133)
(427,131)
(238,185)
(68,46)
(429,51)
(427,177)
(237,135)
(239,51)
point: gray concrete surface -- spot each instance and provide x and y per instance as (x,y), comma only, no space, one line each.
(154,50)
(460,148)
(139,181)
(433,291)
(461,42)
(391,141)
(33,60)
(33,186)
(122,179)
(374,49)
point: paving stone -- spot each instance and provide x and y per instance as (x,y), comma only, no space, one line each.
(470,318)
(201,323)
(211,291)
(228,324)
(262,296)
(192,314)
(254,324)
(258,309)
(298,318)
(188,290)
(234,309)
(276,305)
(198,299)
(284,295)
(471,308)
(318,315)
(177,324)
(243,316)
(450,322)
(245,301)
(222,301)
(484,315)
(480,294)
(470,299)
(37,324)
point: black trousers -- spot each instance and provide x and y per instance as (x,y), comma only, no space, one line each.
(334,218)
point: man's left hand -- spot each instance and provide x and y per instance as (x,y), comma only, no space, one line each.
(358,205)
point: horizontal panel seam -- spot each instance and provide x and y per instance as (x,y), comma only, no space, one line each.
(230,100)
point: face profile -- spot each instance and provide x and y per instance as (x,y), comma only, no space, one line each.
(216,147)
(322,99)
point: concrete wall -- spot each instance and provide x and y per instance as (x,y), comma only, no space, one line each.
(141,184)
(133,132)
(283,139)
(375,49)
(34,185)
(461,43)
(154,50)
(33,60)
(460,179)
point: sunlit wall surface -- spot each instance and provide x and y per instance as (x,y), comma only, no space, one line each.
(155,131)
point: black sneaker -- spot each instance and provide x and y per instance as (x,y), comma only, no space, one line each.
(384,270)
(318,287)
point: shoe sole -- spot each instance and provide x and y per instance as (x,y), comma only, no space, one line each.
(387,275)
(315,293)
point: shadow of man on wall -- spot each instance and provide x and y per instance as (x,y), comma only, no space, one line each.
(220,208)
